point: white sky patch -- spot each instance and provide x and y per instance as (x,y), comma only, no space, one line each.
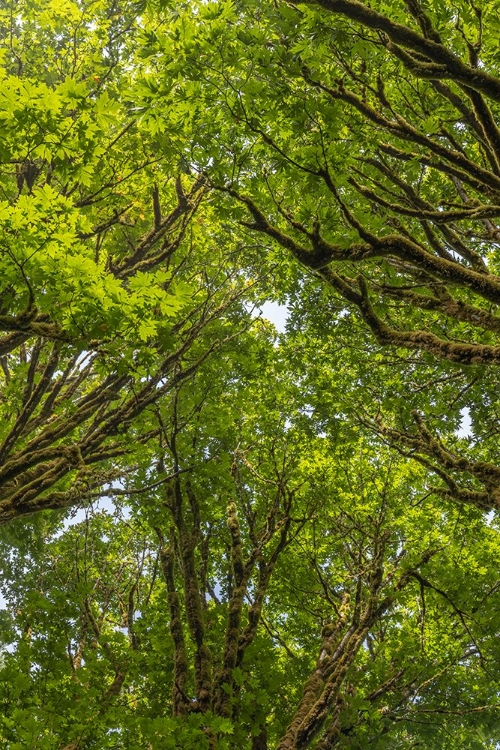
(275,314)
(465,429)
(490,517)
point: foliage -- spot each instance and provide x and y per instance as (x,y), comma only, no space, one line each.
(246,539)
(363,141)
(382,593)
(101,307)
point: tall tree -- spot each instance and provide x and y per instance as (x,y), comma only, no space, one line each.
(102,307)
(364,141)
(275,593)
(262,563)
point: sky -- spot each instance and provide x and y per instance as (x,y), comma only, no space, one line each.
(275,314)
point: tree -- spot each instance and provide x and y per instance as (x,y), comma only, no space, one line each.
(256,559)
(102,310)
(274,593)
(363,141)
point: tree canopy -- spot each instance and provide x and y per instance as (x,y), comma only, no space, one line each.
(217,534)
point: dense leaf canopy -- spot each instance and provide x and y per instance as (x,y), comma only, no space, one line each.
(218,533)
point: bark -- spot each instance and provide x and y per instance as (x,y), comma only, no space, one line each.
(180,701)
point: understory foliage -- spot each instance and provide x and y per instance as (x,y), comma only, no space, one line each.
(216,534)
